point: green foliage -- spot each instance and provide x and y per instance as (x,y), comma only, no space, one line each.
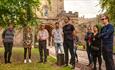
(109,6)
(20,12)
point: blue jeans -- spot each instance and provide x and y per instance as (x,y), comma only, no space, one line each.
(58,46)
(76,56)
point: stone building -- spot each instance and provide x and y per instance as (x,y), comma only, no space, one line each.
(54,11)
(50,10)
(49,14)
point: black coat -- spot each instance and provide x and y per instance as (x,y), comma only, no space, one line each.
(96,43)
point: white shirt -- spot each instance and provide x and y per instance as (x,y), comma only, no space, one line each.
(57,34)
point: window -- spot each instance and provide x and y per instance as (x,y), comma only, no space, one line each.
(45,10)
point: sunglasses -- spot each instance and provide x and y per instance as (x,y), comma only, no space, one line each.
(103,18)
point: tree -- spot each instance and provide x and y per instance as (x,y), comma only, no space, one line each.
(109,6)
(21,12)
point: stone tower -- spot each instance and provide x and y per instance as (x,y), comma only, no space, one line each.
(47,10)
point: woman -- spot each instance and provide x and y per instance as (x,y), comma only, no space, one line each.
(96,48)
(42,37)
(8,39)
(27,44)
(76,40)
(88,39)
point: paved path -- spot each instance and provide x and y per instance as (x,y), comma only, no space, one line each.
(83,60)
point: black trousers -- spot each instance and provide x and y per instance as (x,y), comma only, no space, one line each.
(29,52)
(43,50)
(108,57)
(8,51)
(69,46)
(97,55)
(89,53)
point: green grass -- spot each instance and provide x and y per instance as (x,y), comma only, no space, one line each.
(17,62)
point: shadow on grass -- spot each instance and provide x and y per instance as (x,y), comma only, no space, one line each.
(17,61)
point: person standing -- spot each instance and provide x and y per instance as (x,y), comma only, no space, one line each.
(88,39)
(96,48)
(76,40)
(57,35)
(107,34)
(8,38)
(27,40)
(42,37)
(68,31)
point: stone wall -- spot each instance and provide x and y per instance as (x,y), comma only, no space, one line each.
(53,9)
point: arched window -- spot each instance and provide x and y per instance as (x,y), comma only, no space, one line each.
(45,7)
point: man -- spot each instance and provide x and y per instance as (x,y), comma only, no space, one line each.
(57,35)
(88,39)
(68,31)
(7,36)
(42,37)
(107,34)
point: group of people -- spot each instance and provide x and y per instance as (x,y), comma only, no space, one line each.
(65,40)
(100,41)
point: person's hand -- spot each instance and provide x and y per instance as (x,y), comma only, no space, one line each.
(95,48)
(2,40)
(99,36)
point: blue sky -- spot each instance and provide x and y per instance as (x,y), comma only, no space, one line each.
(87,8)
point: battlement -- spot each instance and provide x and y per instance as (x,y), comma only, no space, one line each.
(70,14)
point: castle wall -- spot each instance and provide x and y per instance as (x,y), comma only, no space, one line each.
(53,9)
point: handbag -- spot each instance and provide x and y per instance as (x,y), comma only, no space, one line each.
(47,52)
(95,48)
(60,59)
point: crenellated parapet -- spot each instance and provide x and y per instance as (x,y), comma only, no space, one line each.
(70,14)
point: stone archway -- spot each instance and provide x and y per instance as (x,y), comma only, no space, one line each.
(49,27)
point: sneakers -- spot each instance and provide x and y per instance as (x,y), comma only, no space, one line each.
(29,61)
(65,65)
(25,61)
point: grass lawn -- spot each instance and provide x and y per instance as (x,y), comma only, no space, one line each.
(17,61)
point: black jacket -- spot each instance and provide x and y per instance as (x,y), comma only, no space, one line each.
(96,41)
(89,35)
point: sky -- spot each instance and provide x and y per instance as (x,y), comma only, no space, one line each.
(87,8)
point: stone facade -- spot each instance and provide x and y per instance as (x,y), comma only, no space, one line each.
(47,10)
(50,13)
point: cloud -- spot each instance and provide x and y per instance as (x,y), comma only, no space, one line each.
(89,8)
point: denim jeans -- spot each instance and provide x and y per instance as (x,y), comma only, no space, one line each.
(58,46)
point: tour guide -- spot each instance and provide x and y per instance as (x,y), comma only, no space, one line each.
(107,34)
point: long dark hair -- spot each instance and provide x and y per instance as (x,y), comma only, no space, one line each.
(97,27)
